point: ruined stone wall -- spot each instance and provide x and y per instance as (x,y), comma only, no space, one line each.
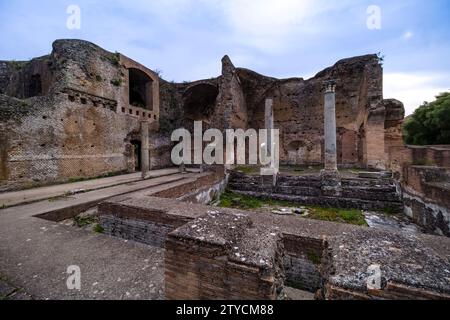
(75,116)
(218,253)
(81,125)
(426,193)
(298,110)
(364,119)
(424,176)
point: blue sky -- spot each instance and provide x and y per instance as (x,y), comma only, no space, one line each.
(186,39)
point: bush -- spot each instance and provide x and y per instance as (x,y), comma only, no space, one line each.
(430,123)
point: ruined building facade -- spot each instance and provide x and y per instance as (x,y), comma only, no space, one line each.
(76,113)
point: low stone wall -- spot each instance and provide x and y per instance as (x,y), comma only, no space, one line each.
(142,231)
(366,194)
(426,195)
(221,256)
(401,156)
(207,194)
(202,190)
(139,222)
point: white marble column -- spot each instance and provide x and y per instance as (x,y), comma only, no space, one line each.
(268,118)
(272,149)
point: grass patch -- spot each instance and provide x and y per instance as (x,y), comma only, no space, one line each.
(248,169)
(424,162)
(390,211)
(313,257)
(350,216)
(114,59)
(84,221)
(98,228)
(76,179)
(233,200)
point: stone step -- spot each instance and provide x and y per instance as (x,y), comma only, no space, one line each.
(336,202)
(306,191)
(364,194)
(66,207)
(10,199)
(368,183)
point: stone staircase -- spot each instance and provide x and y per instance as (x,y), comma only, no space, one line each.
(366,194)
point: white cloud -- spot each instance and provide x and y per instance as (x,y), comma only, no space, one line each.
(414,88)
(270,25)
(408,35)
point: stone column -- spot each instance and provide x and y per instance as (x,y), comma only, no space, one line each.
(331,181)
(330,126)
(145,156)
(268,118)
(269,125)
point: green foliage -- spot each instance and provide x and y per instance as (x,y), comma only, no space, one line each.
(248,169)
(390,211)
(116,82)
(158,72)
(430,123)
(84,221)
(99,229)
(114,59)
(350,216)
(233,200)
(313,257)
(17,65)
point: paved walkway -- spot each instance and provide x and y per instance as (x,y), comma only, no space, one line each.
(35,253)
(9,199)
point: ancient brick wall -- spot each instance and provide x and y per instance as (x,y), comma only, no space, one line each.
(81,123)
(95,99)
(142,231)
(426,193)
(302,261)
(298,110)
(218,265)
(145,226)
(218,253)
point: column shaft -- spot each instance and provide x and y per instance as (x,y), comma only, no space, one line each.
(145,155)
(330,130)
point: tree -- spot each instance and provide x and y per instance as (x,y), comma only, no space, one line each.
(430,123)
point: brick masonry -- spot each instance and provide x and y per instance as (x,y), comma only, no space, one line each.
(231,254)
